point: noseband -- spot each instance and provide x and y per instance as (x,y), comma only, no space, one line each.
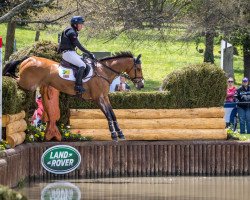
(136,62)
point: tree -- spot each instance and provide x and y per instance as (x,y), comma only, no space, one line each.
(203,18)
(18,7)
(119,16)
(237,28)
(10,37)
(19,11)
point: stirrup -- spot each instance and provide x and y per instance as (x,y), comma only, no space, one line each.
(79,89)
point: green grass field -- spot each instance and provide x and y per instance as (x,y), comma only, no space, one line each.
(159,58)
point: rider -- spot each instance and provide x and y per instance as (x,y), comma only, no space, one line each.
(69,41)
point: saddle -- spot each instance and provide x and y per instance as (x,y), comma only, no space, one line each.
(68,71)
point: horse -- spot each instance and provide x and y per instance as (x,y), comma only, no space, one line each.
(44,73)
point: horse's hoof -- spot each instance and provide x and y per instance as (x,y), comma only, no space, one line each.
(114,136)
(58,138)
(121,136)
(48,137)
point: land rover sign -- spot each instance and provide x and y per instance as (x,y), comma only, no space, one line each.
(61,159)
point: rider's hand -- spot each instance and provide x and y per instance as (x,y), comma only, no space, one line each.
(92,56)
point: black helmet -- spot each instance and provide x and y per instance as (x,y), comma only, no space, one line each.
(77,20)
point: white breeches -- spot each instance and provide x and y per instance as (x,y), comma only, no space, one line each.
(73,58)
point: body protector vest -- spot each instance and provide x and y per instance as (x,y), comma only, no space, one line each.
(66,43)
(69,41)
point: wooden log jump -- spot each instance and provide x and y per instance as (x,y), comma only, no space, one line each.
(149,113)
(175,123)
(16,139)
(15,127)
(159,134)
(153,124)
(12,118)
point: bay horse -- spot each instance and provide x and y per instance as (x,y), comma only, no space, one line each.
(41,72)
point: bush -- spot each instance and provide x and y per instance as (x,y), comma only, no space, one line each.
(15,99)
(8,194)
(9,96)
(129,100)
(46,49)
(201,85)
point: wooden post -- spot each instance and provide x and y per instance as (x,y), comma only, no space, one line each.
(228,61)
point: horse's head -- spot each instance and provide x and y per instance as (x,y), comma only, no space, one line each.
(135,73)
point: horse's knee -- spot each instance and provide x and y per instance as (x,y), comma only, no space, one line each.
(27,85)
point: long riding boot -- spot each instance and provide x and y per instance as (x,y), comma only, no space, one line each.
(78,84)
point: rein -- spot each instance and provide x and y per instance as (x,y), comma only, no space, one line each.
(118,73)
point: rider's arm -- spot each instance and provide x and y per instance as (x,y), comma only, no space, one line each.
(79,46)
(73,38)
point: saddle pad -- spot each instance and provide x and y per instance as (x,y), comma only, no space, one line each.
(68,74)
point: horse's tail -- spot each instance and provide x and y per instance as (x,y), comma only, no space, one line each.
(10,68)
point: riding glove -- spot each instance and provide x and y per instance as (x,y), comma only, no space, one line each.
(92,56)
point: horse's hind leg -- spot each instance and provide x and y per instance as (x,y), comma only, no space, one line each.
(51,112)
(106,109)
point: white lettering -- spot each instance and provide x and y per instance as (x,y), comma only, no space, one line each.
(62,162)
(62,194)
(61,154)
(53,163)
(58,162)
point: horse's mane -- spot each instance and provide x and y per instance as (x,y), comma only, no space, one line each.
(122,54)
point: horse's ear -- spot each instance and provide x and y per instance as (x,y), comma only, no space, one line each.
(138,58)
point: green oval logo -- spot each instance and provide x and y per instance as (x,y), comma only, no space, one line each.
(61,159)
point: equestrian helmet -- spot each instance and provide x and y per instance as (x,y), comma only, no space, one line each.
(77,20)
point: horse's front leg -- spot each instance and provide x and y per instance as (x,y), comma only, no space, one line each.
(106,109)
(116,126)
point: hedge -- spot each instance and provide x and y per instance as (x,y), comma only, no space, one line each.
(15,99)
(46,49)
(200,85)
(9,194)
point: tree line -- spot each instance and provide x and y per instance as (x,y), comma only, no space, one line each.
(207,19)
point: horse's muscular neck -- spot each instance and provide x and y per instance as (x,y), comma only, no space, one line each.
(119,65)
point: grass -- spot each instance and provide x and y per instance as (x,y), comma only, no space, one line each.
(237,136)
(159,58)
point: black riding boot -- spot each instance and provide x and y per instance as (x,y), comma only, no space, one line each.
(78,84)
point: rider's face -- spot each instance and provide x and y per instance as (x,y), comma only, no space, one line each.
(79,27)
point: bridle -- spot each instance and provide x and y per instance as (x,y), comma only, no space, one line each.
(136,79)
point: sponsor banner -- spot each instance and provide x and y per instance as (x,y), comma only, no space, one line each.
(61,159)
